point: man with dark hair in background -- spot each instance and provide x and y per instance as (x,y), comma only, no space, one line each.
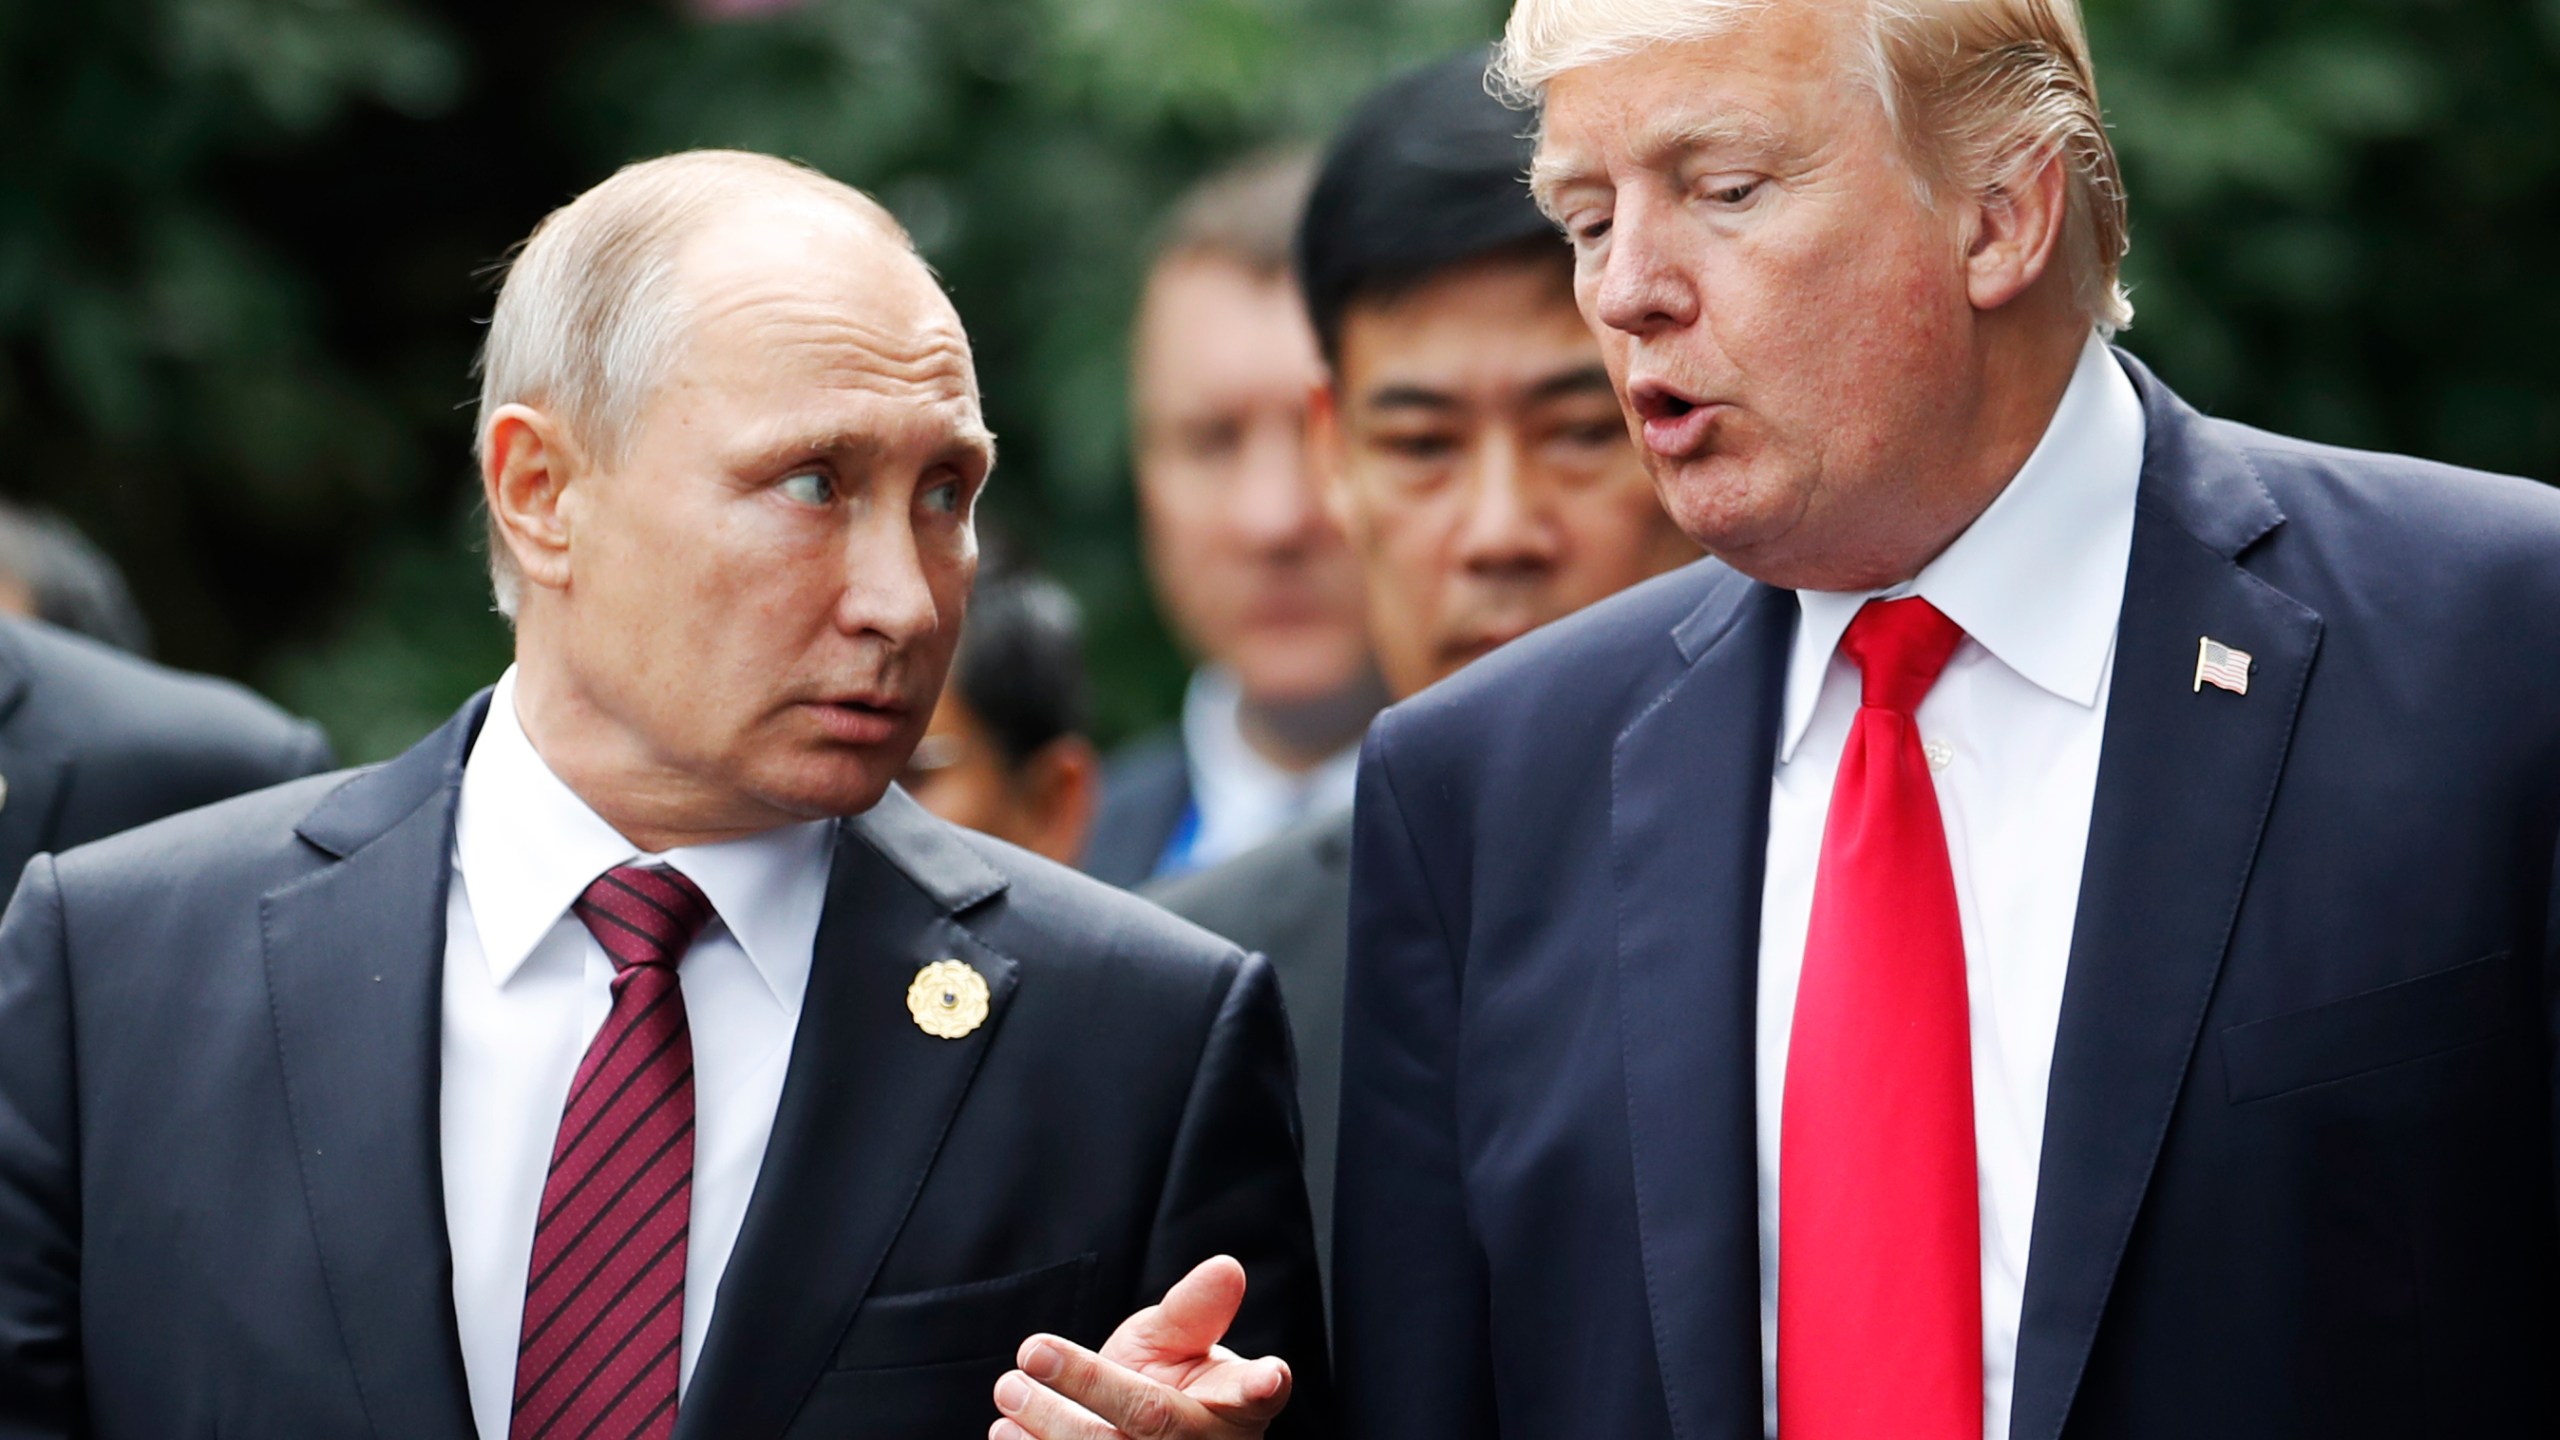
(1249,571)
(1006,754)
(1468,441)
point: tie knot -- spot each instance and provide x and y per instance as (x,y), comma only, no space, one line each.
(643,914)
(1900,646)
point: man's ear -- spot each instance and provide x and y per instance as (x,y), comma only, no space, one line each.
(1325,457)
(525,472)
(2016,232)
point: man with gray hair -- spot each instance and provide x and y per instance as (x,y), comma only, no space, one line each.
(631,1058)
(2050,930)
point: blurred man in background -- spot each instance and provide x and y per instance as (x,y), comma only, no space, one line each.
(1250,572)
(1006,753)
(1470,445)
(49,571)
(94,740)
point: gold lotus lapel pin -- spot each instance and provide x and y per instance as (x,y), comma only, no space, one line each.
(2219,665)
(948,999)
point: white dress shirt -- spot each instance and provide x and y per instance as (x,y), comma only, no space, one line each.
(525,988)
(1239,798)
(2012,730)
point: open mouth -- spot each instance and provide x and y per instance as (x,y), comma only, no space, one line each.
(1675,423)
(1654,400)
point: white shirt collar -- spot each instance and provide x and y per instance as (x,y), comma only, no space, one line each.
(526,846)
(2038,578)
(1243,798)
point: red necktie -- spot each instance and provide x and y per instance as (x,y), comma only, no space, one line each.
(604,1300)
(1879,1220)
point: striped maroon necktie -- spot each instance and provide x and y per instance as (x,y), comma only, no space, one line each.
(604,1300)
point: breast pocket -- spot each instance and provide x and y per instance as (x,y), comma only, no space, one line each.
(2393,1025)
(962,1323)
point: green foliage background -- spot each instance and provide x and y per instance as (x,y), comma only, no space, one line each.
(244,243)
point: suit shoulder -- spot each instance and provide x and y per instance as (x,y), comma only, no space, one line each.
(103,702)
(2420,501)
(1293,869)
(245,844)
(1059,916)
(1576,675)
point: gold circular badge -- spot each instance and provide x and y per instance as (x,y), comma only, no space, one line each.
(948,999)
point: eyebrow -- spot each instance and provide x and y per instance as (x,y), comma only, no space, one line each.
(1566,384)
(866,446)
(1735,131)
(1569,384)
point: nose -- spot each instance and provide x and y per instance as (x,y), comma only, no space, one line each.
(1507,529)
(1639,287)
(1274,499)
(889,589)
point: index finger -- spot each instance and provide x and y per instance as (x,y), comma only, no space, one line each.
(1138,1407)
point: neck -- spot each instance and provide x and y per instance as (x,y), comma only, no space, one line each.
(647,801)
(1301,735)
(2025,367)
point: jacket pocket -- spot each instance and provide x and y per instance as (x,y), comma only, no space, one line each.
(965,1322)
(2410,1020)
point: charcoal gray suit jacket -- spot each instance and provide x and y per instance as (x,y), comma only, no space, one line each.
(221,1208)
(93,741)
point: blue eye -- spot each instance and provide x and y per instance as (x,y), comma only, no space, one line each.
(810,487)
(943,498)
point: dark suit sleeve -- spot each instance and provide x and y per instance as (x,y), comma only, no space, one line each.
(40,1366)
(1410,1297)
(1235,1188)
(310,753)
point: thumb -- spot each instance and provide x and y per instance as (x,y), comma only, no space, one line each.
(1193,1316)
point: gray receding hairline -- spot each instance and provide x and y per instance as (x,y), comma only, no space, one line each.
(590,318)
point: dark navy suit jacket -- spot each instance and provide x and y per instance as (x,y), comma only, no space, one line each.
(2298,1164)
(221,1208)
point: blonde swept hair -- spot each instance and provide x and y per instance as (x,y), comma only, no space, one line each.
(1979,92)
(590,319)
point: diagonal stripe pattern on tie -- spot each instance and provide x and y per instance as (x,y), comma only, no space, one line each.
(604,1298)
(1879,1212)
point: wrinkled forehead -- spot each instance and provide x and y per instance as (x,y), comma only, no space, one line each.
(813,296)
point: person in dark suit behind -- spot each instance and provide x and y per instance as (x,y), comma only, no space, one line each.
(1248,571)
(1467,441)
(630,1058)
(2050,933)
(1006,754)
(93,741)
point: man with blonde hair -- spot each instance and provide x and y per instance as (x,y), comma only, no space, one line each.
(2049,931)
(631,1058)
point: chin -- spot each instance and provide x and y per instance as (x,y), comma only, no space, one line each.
(827,790)
(1721,505)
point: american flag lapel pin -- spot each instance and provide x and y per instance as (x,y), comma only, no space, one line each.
(2219,665)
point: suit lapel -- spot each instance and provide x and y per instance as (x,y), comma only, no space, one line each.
(2185,779)
(1688,905)
(865,1104)
(355,958)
